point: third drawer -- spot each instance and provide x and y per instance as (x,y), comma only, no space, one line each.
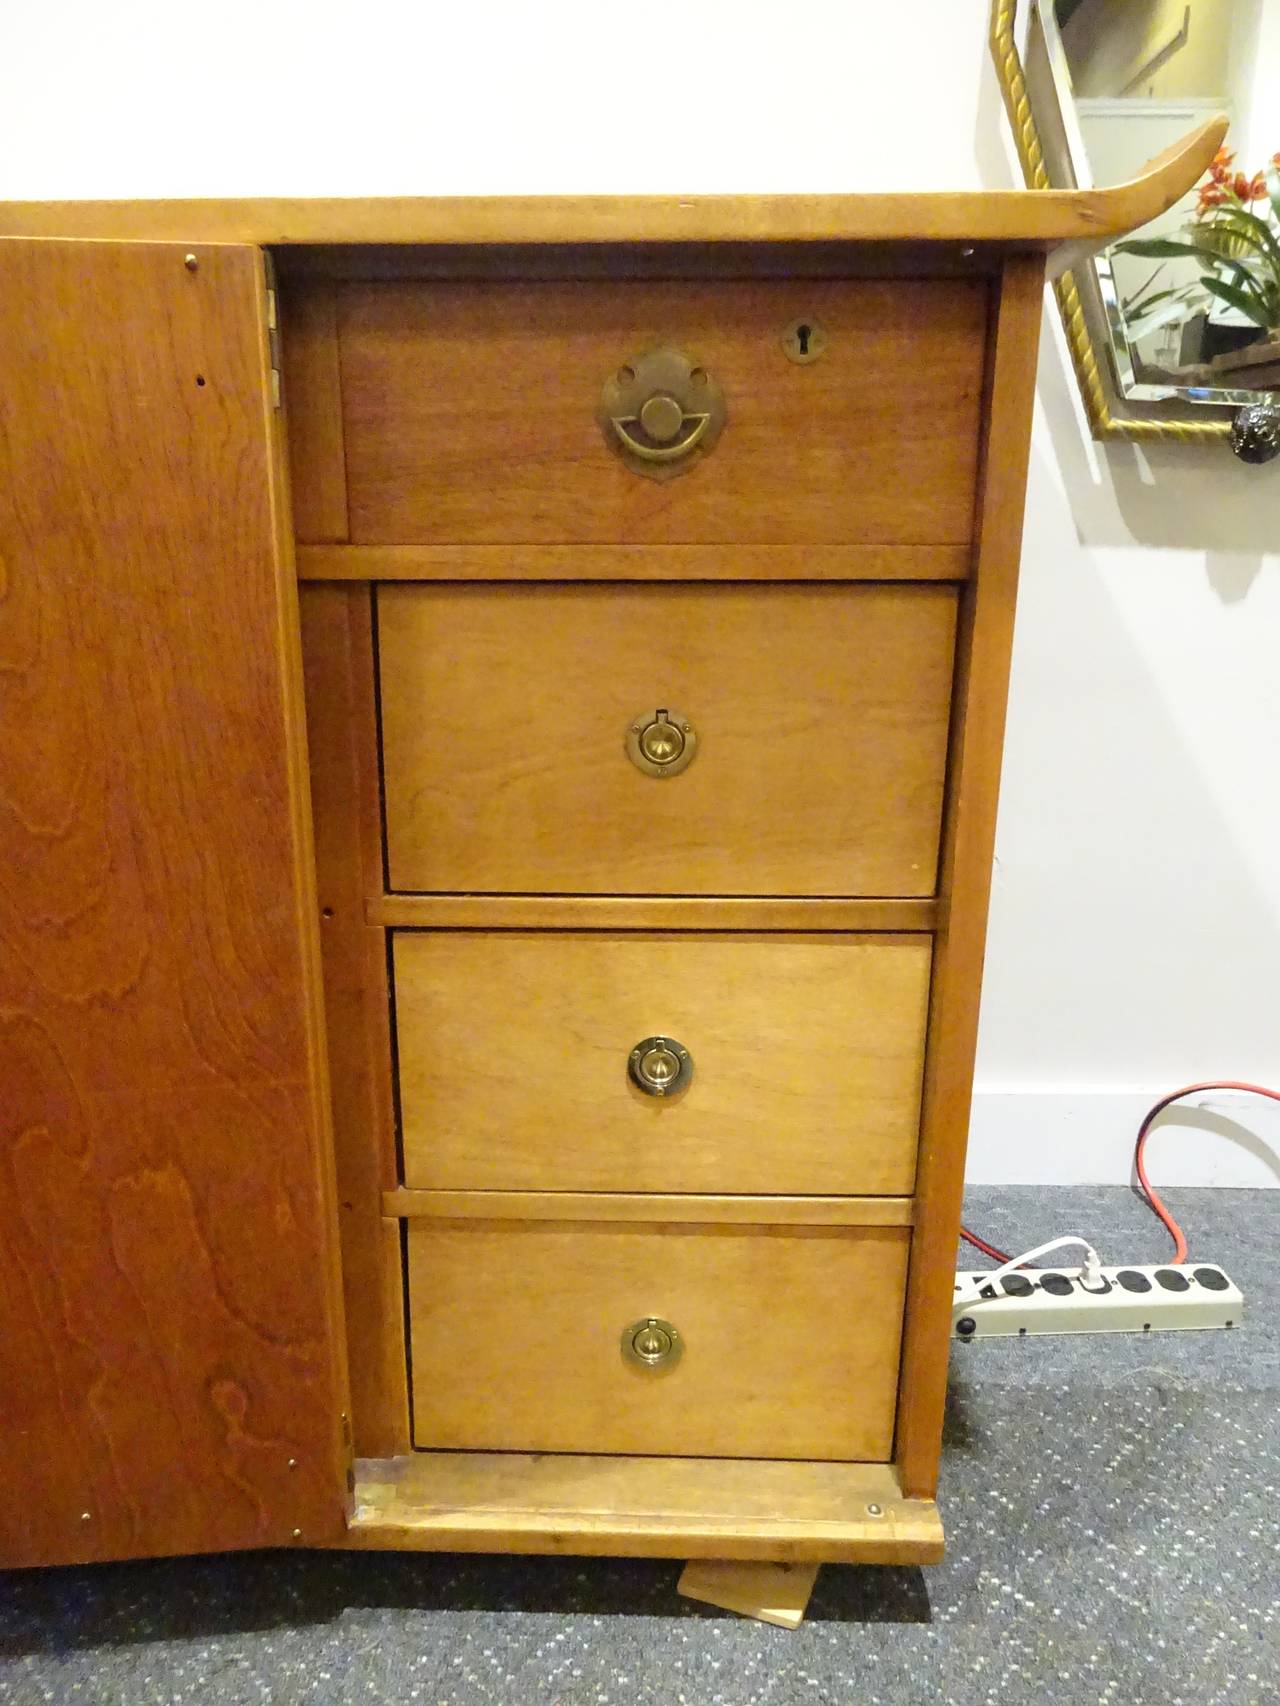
(593,1061)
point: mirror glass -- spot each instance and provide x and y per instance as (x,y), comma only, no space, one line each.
(1192,302)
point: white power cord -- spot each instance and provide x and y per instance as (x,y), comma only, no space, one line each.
(1090,1275)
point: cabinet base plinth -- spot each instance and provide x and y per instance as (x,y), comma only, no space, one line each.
(644,1507)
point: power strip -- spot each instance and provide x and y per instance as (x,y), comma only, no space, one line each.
(1126,1300)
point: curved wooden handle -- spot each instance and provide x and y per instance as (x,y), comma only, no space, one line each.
(1162,182)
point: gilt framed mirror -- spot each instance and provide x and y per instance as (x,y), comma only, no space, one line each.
(1174,334)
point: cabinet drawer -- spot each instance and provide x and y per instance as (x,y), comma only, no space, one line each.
(788,1338)
(803,1066)
(472,412)
(817,721)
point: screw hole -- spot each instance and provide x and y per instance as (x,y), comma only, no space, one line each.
(698,376)
(326,912)
(626,375)
(199,378)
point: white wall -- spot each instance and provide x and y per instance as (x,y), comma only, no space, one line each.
(1135,938)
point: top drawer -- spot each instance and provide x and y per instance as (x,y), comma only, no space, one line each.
(470,412)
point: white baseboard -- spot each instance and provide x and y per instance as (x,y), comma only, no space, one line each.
(1086,1137)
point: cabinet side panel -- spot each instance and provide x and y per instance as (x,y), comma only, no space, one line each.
(313,404)
(984,644)
(337,649)
(169,1324)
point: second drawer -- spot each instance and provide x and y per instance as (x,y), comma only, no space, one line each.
(800,1071)
(665,740)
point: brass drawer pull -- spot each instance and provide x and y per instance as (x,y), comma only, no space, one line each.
(658,409)
(660,1066)
(652,1343)
(661,742)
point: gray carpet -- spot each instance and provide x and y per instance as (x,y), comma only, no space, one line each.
(1111,1506)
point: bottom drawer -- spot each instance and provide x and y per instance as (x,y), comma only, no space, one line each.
(788,1338)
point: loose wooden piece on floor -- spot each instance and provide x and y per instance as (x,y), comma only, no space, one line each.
(772,1593)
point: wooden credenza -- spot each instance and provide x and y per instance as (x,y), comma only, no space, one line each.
(503,707)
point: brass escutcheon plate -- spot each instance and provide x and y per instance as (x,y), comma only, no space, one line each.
(652,1343)
(661,412)
(804,340)
(661,742)
(660,1066)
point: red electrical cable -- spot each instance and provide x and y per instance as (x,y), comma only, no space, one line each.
(1149,1193)
(981,1244)
(1144,1130)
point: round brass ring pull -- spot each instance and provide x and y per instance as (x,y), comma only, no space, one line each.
(652,1343)
(661,742)
(692,427)
(660,1066)
(661,411)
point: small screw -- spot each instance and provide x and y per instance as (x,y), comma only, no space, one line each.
(190,262)
(874,1510)
(86,1516)
(967,253)
(293,1463)
(297,1534)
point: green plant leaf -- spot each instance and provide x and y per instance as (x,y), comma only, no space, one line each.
(1147,303)
(1251,309)
(1246,278)
(1248,224)
(1159,248)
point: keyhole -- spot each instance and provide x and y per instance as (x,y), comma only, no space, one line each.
(803,341)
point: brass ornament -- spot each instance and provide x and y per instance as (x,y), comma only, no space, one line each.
(652,1343)
(660,1066)
(804,340)
(661,743)
(660,412)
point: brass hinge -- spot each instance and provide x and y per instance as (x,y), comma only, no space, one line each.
(273,329)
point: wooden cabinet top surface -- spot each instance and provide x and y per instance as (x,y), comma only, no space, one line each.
(1043,219)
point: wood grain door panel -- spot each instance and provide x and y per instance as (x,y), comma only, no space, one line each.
(807,1056)
(790,1338)
(821,715)
(169,1324)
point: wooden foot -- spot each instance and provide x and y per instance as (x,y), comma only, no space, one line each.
(773,1593)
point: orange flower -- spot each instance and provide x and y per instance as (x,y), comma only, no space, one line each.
(1218,172)
(1211,195)
(1240,186)
(1258,188)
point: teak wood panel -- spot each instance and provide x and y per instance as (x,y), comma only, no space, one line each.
(1023,219)
(469,412)
(821,715)
(170,1323)
(337,651)
(313,411)
(790,1337)
(982,679)
(852,562)
(625,1205)
(646,1507)
(646,912)
(807,1055)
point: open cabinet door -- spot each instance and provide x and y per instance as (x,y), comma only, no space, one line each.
(171,1359)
